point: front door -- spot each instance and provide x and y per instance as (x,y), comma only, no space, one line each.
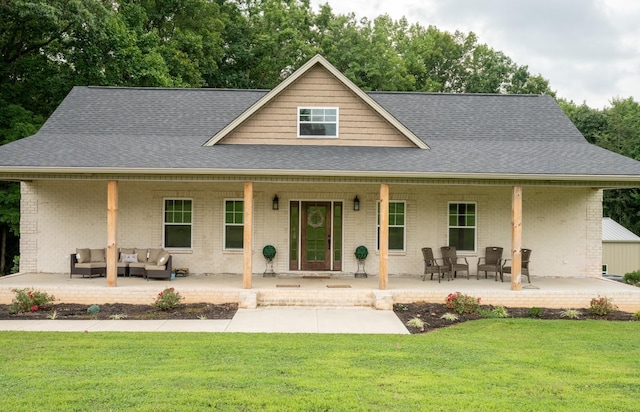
(315,236)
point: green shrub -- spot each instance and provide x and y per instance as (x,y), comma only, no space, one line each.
(269,252)
(602,306)
(534,312)
(497,312)
(462,303)
(16,264)
(571,314)
(30,300)
(93,309)
(416,323)
(361,252)
(632,278)
(167,299)
(636,316)
(402,307)
(449,316)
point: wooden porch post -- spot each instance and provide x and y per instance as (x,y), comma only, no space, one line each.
(516,238)
(248,231)
(384,236)
(112,233)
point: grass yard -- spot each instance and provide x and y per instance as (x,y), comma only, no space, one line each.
(490,364)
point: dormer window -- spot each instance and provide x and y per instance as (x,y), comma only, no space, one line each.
(317,122)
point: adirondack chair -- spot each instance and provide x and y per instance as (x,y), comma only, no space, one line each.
(450,256)
(526,255)
(491,262)
(431,266)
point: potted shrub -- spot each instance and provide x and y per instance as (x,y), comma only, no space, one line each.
(361,254)
(269,252)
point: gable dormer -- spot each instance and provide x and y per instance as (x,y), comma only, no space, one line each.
(317,105)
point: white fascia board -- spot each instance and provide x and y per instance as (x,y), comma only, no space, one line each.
(15,172)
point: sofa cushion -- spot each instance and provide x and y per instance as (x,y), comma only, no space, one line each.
(163,258)
(150,266)
(98,255)
(128,257)
(137,265)
(83,255)
(142,255)
(91,265)
(154,254)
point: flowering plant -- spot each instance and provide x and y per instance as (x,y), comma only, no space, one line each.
(462,303)
(29,300)
(167,299)
(602,306)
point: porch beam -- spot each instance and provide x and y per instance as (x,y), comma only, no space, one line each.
(384,236)
(112,233)
(247,239)
(516,238)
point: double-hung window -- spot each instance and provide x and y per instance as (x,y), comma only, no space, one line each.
(462,226)
(233,224)
(397,224)
(178,218)
(317,122)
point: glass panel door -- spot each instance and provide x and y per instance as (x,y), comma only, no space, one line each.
(316,236)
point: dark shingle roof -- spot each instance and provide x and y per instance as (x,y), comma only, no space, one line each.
(165,129)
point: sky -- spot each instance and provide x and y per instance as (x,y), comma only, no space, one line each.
(589,50)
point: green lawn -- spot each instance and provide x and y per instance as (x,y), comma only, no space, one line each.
(491,364)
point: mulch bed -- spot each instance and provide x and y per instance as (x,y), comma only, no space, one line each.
(431,315)
(109,310)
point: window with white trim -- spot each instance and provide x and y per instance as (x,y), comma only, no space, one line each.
(233,224)
(317,122)
(178,218)
(462,226)
(397,224)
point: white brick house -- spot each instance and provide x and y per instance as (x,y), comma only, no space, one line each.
(197,171)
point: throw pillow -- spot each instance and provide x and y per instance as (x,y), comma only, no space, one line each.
(98,255)
(164,258)
(128,251)
(83,255)
(154,255)
(142,255)
(129,258)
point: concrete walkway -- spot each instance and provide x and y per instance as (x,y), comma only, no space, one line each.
(262,320)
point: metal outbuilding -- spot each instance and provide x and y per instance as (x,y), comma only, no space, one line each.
(620,249)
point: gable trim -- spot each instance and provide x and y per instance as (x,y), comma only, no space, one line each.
(317,59)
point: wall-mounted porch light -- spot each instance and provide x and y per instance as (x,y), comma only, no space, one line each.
(275,204)
(356,203)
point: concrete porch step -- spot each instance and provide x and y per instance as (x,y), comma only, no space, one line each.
(316,298)
(288,296)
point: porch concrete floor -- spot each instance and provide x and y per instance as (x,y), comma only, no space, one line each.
(338,290)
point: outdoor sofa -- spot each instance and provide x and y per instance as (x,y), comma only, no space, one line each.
(88,262)
(148,263)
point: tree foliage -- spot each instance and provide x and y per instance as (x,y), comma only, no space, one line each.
(616,128)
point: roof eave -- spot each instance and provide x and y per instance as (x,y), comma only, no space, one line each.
(18,171)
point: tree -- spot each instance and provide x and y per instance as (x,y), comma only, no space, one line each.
(623,119)
(433,58)
(9,223)
(592,123)
(264,41)
(616,128)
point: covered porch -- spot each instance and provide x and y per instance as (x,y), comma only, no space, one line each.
(336,290)
(424,220)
